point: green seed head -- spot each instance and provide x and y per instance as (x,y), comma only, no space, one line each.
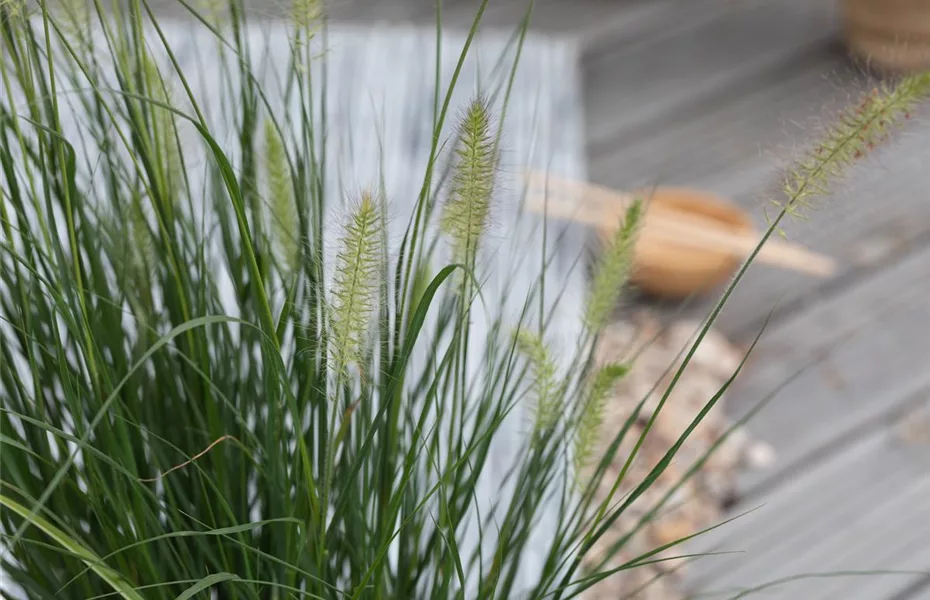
(465,214)
(355,282)
(545,386)
(283,217)
(592,411)
(164,127)
(857,131)
(211,9)
(12,9)
(613,269)
(74,18)
(306,13)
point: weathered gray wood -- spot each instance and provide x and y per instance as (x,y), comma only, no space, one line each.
(640,90)
(919,590)
(859,379)
(851,513)
(803,485)
(752,119)
(599,27)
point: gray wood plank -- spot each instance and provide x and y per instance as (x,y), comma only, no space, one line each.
(638,90)
(851,513)
(753,119)
(597,25)
(869,346)
(920,590)
(736,141)
(819,478)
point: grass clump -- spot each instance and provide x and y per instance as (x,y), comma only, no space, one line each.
(194,399)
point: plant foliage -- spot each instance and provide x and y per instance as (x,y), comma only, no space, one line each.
(194,399)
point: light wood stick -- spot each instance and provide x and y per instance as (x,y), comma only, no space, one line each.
(676,226)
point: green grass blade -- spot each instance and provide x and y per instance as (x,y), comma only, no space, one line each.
(59,475)
(113,578)
(205,584)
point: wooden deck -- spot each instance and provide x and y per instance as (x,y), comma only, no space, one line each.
(718,94)
(719,98)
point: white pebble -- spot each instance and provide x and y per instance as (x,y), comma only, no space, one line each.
(761,455)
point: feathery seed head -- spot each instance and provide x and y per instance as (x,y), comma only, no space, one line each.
(211,9)
(143,253)
(284,222)
(613,269)
(164,131)
(855,133)
(152,76)
(467,209)
(545,386)
(355,282)
(75,18)
(592,412)
(12,9)
(306,13)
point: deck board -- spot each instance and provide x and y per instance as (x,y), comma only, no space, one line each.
(851,513)
(652,86)
(724,106)
(866,346)
(840,460)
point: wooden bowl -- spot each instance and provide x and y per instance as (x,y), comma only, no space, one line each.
(674,269)
(892,35)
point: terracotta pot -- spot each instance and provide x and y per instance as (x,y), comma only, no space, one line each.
(891,35)
(671,269)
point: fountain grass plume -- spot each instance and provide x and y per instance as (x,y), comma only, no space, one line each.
(592,411)
(613,269)
(355,282)
(850,137)
(544,380)
(280,189)
(306,14)
(467,209)
(164,135)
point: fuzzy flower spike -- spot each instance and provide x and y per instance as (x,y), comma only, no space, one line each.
(355,282)
(467,210)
